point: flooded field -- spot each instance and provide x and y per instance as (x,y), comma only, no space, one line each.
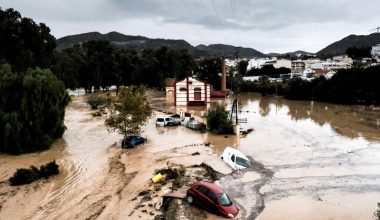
(311,161)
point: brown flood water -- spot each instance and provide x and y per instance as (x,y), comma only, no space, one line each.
(312,161)
(324,159)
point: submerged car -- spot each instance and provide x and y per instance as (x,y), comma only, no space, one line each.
(190,122)
(133,140)
(236,159)
(167,121)
(172,122)
(212,198)
(160,122)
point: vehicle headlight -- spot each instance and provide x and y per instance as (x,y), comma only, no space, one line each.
(230,215)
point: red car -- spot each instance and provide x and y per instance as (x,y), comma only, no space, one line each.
(211,198)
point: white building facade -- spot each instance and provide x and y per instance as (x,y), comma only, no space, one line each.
(191,91)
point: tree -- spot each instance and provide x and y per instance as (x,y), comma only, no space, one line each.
(95,100)
(358,53)
(129,110)
(242,67)
(218,120)
(264,84)
(100,67)
(34,116)
(23,43)
(209,70)
(65,68)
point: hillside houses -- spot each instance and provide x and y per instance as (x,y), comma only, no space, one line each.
(306,69)
(375,52)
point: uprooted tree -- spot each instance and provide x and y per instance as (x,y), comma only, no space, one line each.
(128,111)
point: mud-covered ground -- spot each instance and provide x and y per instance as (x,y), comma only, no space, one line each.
(310,161)
(98,179)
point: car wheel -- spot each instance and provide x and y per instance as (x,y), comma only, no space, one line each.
(190,199)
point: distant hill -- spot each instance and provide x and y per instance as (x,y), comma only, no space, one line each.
(295,54)
(340,47)
(230,51)
(139,43)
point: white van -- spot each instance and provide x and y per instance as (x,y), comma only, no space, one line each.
(236,159)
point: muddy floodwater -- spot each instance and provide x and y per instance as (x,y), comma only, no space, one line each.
(324,159)
(310,161)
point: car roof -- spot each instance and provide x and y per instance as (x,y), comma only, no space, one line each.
(211,186)
(235,151)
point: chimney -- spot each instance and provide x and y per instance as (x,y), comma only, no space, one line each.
(224,80)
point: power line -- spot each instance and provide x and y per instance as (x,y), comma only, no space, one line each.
(236,14)
(217,14)
(233,12)
(235,23)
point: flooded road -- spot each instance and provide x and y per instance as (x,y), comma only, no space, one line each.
(311,161)
(324,159)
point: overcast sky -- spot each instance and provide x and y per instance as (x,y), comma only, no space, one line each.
(265,25)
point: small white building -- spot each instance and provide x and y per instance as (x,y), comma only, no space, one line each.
(191,91)
(375,52)
(297,66)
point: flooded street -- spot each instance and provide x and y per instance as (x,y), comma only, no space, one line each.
(310,161)
(324,159)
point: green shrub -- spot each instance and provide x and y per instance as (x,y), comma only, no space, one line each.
(34,116)
(95,100)
(25,176)
(49,169)
(202,127)
(218,121)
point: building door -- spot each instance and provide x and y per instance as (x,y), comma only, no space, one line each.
(197,94)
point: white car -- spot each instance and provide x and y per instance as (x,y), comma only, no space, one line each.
(236,159)
(160,122)
(190,122)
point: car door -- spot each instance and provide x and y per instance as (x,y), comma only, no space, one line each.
(203,198)
(167,121)
(214,202)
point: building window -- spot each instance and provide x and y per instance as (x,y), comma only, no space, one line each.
(197,89)
(182,89)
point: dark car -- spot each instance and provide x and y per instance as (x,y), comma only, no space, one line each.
(212,198)
(131,141)
(172,122)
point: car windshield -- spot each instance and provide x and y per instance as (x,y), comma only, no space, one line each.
(160,119)
(224,200)
(242,162)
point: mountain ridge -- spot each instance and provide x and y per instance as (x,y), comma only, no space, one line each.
(340,47)
(140,43)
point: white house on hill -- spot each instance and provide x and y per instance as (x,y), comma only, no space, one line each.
(375,52)
(191,91)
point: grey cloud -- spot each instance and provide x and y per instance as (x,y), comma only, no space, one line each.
(259,23)
(251,14)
